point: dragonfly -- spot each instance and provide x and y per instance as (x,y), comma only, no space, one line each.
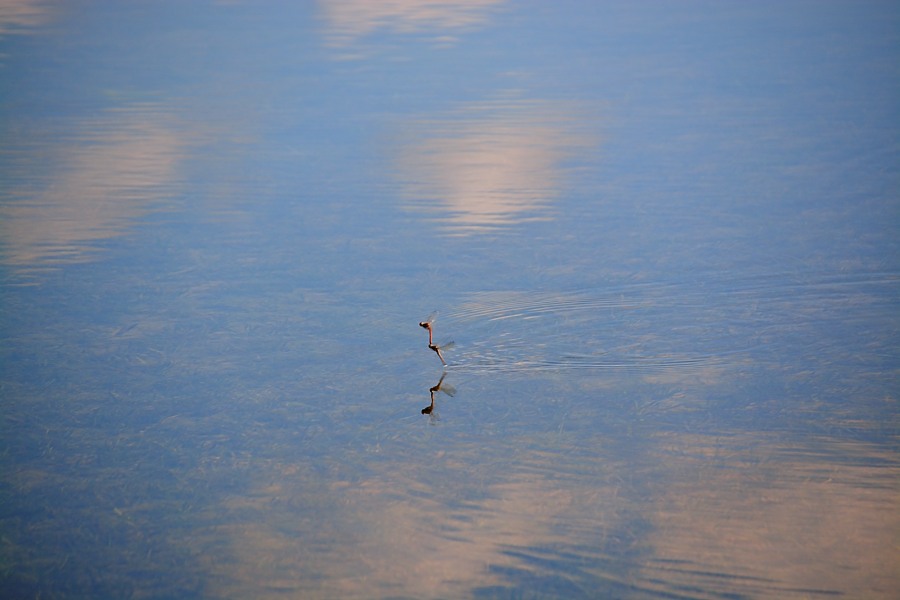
(439,387)
(427,324)
(438,350)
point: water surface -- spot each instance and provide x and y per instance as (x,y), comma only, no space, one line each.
(663,238)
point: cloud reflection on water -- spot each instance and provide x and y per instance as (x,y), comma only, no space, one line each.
(108,173)
(734,516)
(756,517)
(490,164)
(399,534)
(18,14)
(349,20)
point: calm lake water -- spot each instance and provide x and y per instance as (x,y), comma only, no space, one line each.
(663,237)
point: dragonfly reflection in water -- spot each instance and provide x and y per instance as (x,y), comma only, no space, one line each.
(438,349)
(439,387)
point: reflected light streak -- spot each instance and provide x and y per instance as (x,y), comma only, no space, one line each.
(18,14)
(489,166)
(740,517)
(394,535)
(349,20)
(100,182)
(776,521)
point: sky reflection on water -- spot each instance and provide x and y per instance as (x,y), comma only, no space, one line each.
(491,165)
(348,21)
(663,237)
(107,173)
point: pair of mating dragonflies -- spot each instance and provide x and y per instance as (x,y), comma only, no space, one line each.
(429,325)
(441,386)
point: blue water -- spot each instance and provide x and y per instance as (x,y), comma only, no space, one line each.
(662,237)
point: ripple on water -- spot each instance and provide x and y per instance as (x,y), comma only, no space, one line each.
(666,327)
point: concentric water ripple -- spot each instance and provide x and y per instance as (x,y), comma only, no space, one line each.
(660,327)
